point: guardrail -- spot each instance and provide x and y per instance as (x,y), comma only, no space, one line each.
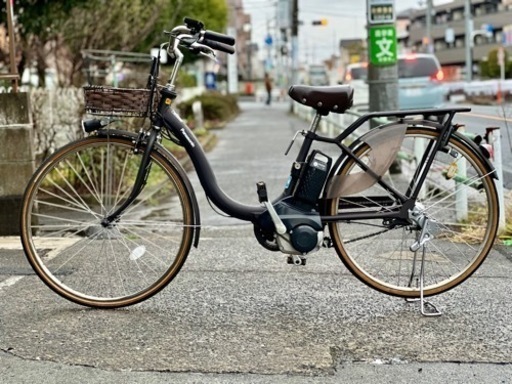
(334,123)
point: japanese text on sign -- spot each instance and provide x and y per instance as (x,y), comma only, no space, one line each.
(381,11)
(383,45)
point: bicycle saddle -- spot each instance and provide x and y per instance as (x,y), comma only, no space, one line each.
(324,99)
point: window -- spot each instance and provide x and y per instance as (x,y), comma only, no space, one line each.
(440,45)
(413,66)
(458,15)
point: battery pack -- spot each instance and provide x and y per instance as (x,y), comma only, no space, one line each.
(313,177)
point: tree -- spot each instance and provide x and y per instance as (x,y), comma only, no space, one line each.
(38,23)
(491,67)
(57,31)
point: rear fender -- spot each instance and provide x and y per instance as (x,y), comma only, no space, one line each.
(340,161)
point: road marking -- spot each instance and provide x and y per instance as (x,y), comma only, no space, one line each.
(10,281)
(490,117)
(10,242)
(55,245)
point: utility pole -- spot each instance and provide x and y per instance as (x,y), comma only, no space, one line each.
(469,40)
(295,44)
(13,71)
(430,46)
(382,54)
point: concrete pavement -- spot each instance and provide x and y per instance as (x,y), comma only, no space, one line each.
(239,314)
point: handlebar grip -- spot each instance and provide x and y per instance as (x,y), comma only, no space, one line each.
(219,37)
(219,46)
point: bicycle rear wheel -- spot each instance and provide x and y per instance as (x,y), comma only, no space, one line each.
(120,264)
(459,194)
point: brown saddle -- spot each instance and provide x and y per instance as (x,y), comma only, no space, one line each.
(324,99)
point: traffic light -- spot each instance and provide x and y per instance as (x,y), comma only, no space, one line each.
(320,22)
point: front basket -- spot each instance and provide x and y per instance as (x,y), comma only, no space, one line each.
(117,101)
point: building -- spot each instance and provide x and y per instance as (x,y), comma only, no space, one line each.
(492,27)
(240,22)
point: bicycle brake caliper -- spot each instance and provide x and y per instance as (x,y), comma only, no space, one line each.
(137,142)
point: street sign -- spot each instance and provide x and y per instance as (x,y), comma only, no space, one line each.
(284,14)
(383,44)
(210,80)
(381,11)
(449,35)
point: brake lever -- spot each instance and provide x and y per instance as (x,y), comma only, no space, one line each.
(210,55)
(204,51)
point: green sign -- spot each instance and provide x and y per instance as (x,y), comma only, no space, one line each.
(382,44)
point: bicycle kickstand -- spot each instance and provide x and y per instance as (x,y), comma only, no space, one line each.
(424,303)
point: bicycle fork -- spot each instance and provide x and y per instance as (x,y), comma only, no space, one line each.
(140,180)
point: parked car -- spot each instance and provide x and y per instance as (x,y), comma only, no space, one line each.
(356,75)
(420,81)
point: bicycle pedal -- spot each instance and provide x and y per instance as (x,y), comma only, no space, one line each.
(327,243)
(296,260)
(261,189)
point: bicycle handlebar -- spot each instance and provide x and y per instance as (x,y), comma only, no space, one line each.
(219,37)
(195,38)
(218,46)
(193,33)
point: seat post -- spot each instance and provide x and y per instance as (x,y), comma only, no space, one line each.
(316,121)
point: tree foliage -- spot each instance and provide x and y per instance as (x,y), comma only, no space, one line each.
(491,67)
(56,31)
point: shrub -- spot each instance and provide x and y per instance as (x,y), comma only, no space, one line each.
(216,107)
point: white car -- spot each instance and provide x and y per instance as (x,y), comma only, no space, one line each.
(356,75)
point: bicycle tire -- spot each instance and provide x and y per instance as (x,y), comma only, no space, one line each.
(126,262)
(381,257)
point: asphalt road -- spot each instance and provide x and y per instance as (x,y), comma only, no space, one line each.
(239,314)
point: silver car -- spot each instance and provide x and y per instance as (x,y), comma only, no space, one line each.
(420,81)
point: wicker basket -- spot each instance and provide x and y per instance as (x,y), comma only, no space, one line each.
(117,101)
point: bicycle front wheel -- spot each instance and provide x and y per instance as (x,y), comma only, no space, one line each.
(105,266)
(458,197)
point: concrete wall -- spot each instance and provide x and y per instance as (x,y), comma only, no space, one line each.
(16,158)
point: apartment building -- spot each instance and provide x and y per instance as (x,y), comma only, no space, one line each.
(492,27)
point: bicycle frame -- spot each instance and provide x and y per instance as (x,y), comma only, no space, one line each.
(175,125)
(166,118)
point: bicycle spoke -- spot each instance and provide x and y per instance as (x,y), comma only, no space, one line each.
(108,265)
(93,194)
(461,232)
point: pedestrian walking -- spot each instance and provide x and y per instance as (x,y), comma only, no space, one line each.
(268,88)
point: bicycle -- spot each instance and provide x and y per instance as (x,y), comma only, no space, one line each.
(126,215)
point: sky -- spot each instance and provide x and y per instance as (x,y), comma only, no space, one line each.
(346,19)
